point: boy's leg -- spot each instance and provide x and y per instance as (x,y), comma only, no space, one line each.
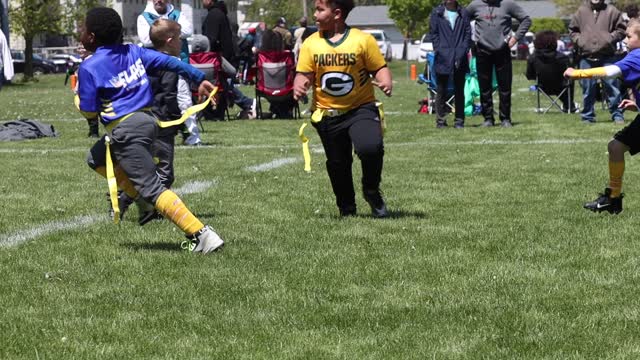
(163,151)
(484,66)
(588,113)
(442,81)
(366,134)
(96,159)
(459,79)
(131,144)
(626,140)
(337,147)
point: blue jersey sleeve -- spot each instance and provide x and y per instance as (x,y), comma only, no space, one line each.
(630,67)
(154,60)
(87,91)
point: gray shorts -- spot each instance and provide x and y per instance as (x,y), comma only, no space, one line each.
(131,142)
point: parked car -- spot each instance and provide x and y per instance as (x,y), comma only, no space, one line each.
(65,61)
(40,65)
(383,42)
(425,46)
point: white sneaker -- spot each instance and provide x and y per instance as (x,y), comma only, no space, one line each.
(206,241)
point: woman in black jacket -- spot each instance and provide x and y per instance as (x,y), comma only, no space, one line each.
(450,31)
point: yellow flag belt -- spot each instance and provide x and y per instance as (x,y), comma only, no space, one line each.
(111,178)
(316,117)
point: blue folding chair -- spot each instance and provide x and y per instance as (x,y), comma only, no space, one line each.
(429,78)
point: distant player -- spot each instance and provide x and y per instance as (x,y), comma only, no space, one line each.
(114,83)
(337,62)
(627,139)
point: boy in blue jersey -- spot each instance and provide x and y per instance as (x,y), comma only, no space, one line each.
(114,83)
(627,139)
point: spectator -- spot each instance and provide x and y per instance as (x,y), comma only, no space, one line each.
(281,28)
(272,41)
(493,20)
(547,66)
(246,53)
(6,62)
(595,29)
(217,29)
(297,35)
(159,9)
(450,31)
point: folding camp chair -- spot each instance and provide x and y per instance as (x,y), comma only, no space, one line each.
(429,78)
(274,82)
(556,98)
(210,63)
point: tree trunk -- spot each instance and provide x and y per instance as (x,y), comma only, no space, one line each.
(28,57)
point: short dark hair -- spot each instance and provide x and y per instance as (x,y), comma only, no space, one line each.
(345,5)
(631,10)
(546,39)
(105,24)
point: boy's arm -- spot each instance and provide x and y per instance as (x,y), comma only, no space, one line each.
(154,60)
(608,71)
(384,81)
(301,84)
(87,95)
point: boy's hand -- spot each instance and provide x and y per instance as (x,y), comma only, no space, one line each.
(386,88)
(301,84)
(205,89)
(628,105)
(568,72)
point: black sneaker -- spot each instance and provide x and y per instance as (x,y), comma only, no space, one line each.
(605,202)
(375,200)
(124,201)
(348,211)
(487,123)
(441,125)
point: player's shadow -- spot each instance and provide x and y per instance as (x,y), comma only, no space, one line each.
(155,246)
(393,214)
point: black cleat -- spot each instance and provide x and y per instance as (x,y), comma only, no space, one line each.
(375,200)
(348,211)
(605,202)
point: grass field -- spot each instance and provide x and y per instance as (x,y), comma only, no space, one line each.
(488,253)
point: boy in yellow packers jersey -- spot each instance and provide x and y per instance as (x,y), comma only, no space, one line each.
(338,62)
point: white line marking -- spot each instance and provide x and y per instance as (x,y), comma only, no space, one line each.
(273,164)
(194,187)
(47,228)
(318,148)
(77,222)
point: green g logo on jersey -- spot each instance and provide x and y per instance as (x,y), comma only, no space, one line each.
(336,83)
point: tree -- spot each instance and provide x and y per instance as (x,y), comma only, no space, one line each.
(553,24)
(30,18)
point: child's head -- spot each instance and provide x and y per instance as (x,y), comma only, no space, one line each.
(328,13)
(546,40)
(165,36)
(102,26)
(199,43)
(633,34)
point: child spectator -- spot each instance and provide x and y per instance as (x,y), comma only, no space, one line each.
(337,61)
(627,139)
(547,66)
(114,83)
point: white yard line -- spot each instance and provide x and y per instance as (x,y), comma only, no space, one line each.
(191,187)
(318,148)
(273,164)
(48,228)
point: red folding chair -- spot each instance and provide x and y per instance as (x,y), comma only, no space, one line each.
(275,71)
(210,63)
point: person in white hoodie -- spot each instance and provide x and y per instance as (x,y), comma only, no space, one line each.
(6,62)
(156,9)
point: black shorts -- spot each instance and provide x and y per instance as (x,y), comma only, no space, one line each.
(630,136)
